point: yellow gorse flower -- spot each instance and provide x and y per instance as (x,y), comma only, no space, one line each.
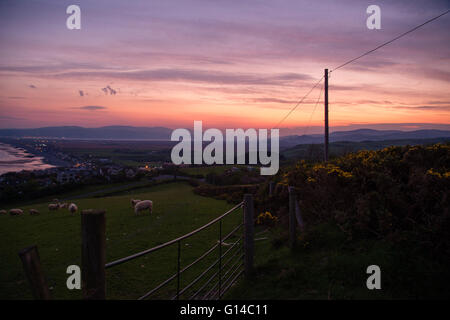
(266,217)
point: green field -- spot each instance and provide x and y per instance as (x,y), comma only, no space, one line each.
(177,210)
(205,170)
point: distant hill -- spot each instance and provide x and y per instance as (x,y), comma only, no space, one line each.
(363,135)
(109,132)
(162,133)
(339,148)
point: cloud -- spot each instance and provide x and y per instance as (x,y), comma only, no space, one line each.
(273,100)
(435,74)
(16,98)
(91,108)
(10,118)
(109,90)
(189,75)
(435,107)
(438,102)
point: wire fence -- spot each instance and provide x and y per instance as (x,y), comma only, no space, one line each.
(214,280)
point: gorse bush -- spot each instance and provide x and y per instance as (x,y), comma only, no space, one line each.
(267,219)
(397,193)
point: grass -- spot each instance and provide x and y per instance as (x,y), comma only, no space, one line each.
(325,265)
(177,210)
(205,170)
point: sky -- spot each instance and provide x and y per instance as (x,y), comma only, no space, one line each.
(228,63)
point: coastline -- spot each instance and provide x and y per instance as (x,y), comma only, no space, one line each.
(19,157)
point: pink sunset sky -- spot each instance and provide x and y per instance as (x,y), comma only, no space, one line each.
(228,63)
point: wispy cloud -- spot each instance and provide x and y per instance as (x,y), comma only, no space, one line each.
(16,98)
(190,75)
(435,107)
(91,108)
(273,100)
(10,118)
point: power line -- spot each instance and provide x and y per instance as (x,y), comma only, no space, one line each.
(390,41)
(298,103)
(354,59)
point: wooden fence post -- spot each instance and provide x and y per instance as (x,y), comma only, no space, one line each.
(33,270)
(248,234)
(93,257)
(292,219)
(271,185)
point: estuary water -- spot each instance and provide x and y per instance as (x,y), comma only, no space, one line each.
(17,159)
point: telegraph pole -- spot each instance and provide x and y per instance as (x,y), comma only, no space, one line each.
(326,115)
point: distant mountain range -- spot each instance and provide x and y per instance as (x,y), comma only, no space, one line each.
(162,133)
(109,132)
(363,135)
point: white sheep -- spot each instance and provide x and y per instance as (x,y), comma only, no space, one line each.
(16,212)
(34,212)
(73,208)
(134,201)
(143,205)
(3,212)
(53,206)
(63,205)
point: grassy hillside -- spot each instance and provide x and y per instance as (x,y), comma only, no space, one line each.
(205,170)
(177,210)
(388,208)
(326,265)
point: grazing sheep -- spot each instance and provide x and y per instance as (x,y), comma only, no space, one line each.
(16,212)
(3,212)
(73,208)
(63,205)
(143,205)
(34,212)
(134,201)
(53,206)
(55,200)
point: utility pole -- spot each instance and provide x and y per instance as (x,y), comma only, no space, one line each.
(326,115)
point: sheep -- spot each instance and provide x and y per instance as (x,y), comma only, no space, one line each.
(73,208)
(53,206)
(143,205)
(16,212)
(63,205)
(55,200)
(133,202)
(3,212)
(34,212)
